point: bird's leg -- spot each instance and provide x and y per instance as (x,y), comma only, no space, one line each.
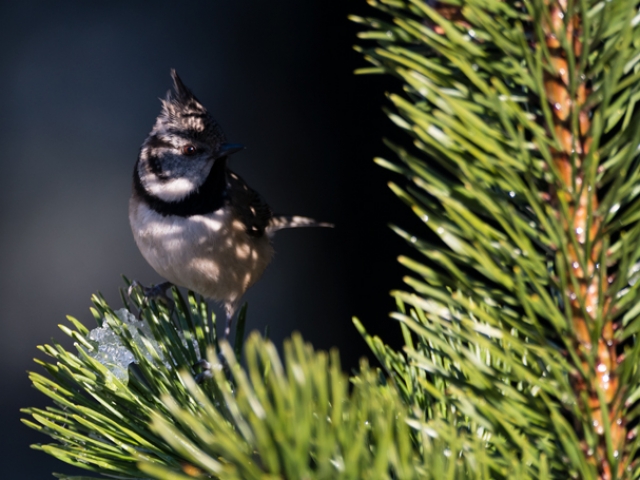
(227,328)
(230,310)
(156,292)
(205,366)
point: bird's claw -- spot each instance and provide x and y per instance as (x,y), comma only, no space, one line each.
(205,373)
(206,369)
(156,292)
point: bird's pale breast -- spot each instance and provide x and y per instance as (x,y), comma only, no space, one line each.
(209,254)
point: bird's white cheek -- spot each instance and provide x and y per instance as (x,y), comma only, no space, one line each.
(171,190)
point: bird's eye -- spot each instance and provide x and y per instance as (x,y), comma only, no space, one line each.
(189,150)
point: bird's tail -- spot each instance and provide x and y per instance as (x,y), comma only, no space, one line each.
(279,222)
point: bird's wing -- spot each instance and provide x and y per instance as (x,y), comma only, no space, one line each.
(249,206)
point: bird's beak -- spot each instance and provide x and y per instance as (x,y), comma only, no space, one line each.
(227,149)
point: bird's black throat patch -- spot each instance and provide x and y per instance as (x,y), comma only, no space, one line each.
(208,198)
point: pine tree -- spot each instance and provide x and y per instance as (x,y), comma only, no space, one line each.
(519,318)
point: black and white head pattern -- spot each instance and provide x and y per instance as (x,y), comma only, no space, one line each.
(179,153)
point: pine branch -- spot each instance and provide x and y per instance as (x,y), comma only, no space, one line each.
(524,168)
(127,406)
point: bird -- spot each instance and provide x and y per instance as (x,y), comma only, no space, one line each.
(196,222)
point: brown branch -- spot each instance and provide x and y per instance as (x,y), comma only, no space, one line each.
(583,203)
(583,223)
(453,13)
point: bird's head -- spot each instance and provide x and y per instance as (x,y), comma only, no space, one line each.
(177,156)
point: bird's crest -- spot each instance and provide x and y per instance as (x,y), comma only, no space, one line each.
(183,113)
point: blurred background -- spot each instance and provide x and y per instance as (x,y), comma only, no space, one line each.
(79,90)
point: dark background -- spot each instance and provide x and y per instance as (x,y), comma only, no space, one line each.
(79,88)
